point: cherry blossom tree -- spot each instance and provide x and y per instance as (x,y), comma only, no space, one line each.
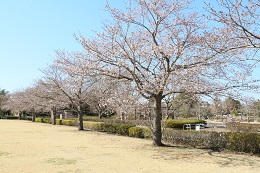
(164,47)
(25,100)
(72,81)
(50,98)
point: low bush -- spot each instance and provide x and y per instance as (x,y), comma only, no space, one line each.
(179,123)
(121,129)
(136,132)
(244,142)
(70,122)
(238,142)
(43,120)
(140,132)
(46,120)
(212,140)
(39,119)
(95,126)
(59,121)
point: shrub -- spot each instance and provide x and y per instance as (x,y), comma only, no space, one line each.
(239,142)
(180,123)
(43,120)
(244,142)
(121,129)
(136,132)
(96,126)
(212,140)
(39,119)
(70,122)
(46,120)
(147,132)
(59,121)
(140,132)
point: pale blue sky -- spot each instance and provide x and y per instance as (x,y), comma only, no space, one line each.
(30,31)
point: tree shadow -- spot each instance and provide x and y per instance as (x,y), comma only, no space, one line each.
(229,159)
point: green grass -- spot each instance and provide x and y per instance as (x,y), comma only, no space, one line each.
(4,153)
(61,161)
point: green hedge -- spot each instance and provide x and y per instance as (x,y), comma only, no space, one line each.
(136,132)
(238,142)
(43,120)
(46,120)
(59,121)
(201,139)
(140,132)
(70,122)
(180,123)
(39,119)
(244,142)
(95,126)
(121,129)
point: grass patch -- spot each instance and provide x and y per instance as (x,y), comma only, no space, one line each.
(61,161)
(4,153)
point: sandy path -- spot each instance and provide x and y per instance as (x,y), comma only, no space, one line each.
(27,147)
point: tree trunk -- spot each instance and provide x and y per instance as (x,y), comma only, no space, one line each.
(19,115)
(173,115)
(157,127)
(80,119)
(100,114)
(33,117)
(53,116)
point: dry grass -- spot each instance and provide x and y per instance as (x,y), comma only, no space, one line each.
(34,147)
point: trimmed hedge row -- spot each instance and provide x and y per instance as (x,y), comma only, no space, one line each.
(238,142)
(94,126)
(70,122)
(43,120)
(116,128)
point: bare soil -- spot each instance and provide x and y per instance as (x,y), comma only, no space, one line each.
(27,147)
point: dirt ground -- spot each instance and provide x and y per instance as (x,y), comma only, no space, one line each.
(27,147)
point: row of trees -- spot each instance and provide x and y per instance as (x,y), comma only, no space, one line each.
(149,52)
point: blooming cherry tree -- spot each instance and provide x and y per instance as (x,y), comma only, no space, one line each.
(71,81)
(163,47)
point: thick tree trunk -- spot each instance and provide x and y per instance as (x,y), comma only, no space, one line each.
(80,119)
(53,116)
(157,127)
(80,122)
